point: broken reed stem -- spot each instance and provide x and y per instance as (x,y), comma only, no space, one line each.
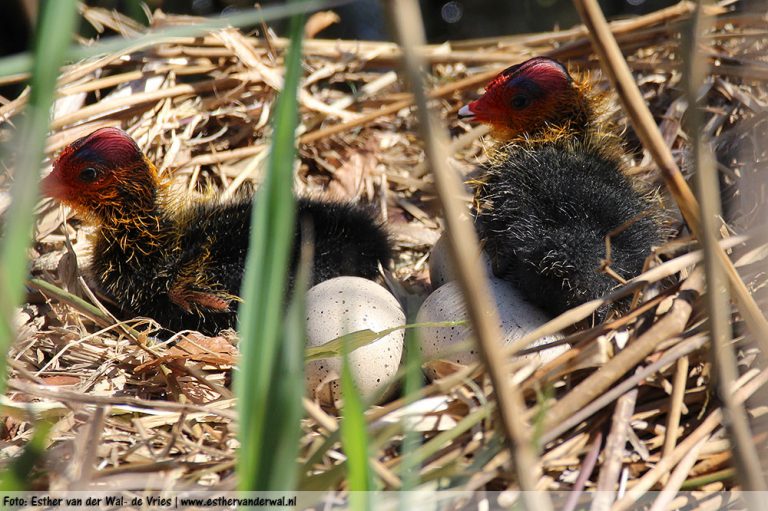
(675,406)
(607,49)
(57,394)
(86,447)
(678,477)
(465,251)
(221,84)
(564,412)
(613,459)
(590,460)
(749,472)
(329,48)
(666,464)
(686,347)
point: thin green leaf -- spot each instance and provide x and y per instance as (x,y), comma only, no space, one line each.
(68,298)
(284,423)
(55,29)
(23,62)
(362,338)
(354,440)
(409,473)
(260,383)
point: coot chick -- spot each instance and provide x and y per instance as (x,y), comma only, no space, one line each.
(554,189)
(180,261)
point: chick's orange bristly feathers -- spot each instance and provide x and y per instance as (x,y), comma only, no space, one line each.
(554,191)
(181,261)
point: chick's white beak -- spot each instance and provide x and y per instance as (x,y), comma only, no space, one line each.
(465,113)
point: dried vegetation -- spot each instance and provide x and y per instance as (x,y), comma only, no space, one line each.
(630,404)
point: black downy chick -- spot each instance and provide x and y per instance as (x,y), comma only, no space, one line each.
(181,262)
(555,190)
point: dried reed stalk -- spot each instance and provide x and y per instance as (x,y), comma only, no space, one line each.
(465,251)
(671,325)
(718,301)
(71,354)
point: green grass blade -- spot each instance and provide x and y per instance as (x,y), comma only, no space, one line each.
(260,383)
(287,409)
(54,33)
(354,440)
(68,298)
(23,62)
(409,473)
(284,420)
(355,340)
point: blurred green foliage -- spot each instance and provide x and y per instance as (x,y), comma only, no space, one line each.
(56,26)
(270,384)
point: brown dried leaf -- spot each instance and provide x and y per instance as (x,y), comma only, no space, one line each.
(348,180)
(217,351)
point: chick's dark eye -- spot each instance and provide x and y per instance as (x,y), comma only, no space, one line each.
(520,101)
(88,175)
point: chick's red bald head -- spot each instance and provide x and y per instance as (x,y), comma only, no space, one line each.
(104,176)
(89,165)
(523,98)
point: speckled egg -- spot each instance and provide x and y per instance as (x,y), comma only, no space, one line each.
(518,317)
(440,264)
(344,305)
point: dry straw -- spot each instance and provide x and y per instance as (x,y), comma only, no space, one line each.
(162,415)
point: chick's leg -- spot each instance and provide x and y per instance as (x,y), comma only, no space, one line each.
(188,299)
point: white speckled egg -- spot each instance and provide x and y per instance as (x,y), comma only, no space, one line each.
(440,264)
(344,305)
(518,317)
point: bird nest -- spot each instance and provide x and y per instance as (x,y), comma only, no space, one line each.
(129,413)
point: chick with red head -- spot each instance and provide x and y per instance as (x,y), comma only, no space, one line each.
(181,261)
(529,98)
(103,174)
(554,191)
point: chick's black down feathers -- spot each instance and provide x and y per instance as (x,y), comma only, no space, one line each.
(209,257)
(544,215)
(347,240)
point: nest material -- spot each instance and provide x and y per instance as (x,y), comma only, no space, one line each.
(200,109)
